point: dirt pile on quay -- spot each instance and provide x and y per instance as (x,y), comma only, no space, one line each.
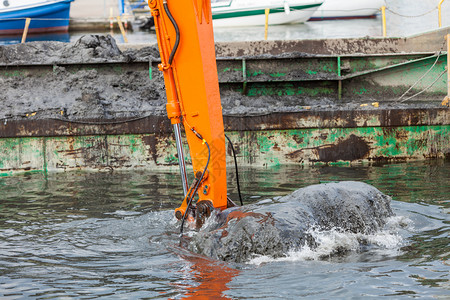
(87,49)
(81,94)
(92,93)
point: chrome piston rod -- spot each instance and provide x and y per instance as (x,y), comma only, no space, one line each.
(181,162)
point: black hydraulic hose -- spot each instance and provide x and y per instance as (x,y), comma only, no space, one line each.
(177,31)
(236,168)
(196,188)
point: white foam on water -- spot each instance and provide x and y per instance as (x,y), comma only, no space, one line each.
(124,213)
(399,222)
(335,241)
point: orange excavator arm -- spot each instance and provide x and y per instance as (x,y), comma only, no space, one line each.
(186,44)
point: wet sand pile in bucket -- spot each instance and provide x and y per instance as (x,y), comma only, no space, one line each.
(274,230)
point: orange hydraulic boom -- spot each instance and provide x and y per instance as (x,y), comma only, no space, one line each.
(186,45)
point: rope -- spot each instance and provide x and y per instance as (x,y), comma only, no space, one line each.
(434,64)
(362,9)
(100,123)
(405,16)
(12,118)
(443,72)
(437,58)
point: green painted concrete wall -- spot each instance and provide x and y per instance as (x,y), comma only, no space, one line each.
(256,148)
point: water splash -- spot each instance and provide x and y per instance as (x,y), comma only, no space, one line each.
(336,241)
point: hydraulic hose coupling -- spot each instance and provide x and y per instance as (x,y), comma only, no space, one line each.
(163,67)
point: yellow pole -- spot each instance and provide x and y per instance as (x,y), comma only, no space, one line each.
(446,101)
(448,66)
(25,31)
(125,39)
(111,18)
(383,12)
(266,28)
(439,9)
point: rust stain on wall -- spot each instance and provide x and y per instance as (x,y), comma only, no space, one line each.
(353,148)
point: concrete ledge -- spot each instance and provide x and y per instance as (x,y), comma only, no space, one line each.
(431,41)
(158,124)
(100,24)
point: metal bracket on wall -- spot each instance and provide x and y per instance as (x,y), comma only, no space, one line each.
(244,76)
(339,75)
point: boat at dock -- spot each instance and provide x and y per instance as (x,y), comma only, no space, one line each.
(45,15)
(235,13)
(347,9)
(238,13)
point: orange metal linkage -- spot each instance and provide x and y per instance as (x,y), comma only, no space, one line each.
(192,89)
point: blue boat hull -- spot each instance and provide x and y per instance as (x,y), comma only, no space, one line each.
(49,17)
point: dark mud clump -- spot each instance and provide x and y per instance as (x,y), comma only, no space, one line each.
(87,49)
(274,230)
(82,95)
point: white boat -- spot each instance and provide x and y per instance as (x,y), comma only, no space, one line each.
(347,9)
(234,13)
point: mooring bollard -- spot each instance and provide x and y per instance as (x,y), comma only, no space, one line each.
(25,30)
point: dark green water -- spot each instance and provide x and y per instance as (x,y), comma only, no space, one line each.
(101,235)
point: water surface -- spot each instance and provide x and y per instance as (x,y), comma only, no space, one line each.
(403,18)
(102,235)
